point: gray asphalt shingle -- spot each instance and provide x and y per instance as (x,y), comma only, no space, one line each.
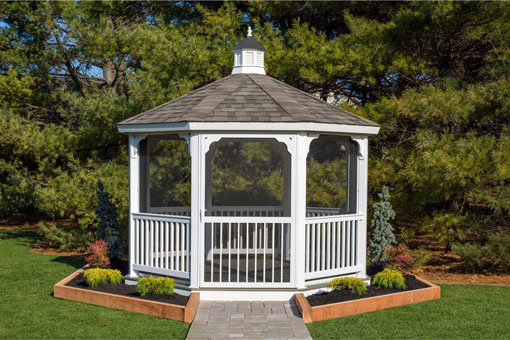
(247,98)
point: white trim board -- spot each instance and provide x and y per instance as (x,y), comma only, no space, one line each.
(247,126)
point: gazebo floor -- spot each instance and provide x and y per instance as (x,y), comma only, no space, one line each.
(279,269)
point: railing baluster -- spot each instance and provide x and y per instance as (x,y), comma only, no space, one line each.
(145,244)
(172,245)
(156,244)
(229,246)
(282,254)
(323,244)
(188,247)
(312,254)
(183,268)
(307,248)
(351,245)
(274,251)
(247,247)
(166,244)
(212,250)
(136,241)
(264,241)
(328,248)
(221,251)
(238,248)
(255,245)
(151,244)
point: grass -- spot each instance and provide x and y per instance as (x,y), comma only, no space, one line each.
(28,309)
(463,312)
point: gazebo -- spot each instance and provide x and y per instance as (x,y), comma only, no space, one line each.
(248,188)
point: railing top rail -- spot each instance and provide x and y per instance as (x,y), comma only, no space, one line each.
(346,217)
(247,208)
(161,217)
(247,219)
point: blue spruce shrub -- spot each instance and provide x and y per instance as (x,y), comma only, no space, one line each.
(381,231)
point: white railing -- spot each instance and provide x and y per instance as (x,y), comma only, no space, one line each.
(162,244)
(331,246)
(247,251)
(176,211)
(316,212)
(245,211)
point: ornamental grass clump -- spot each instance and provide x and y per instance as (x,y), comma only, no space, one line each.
(160,286)
(97,276)
(390,278)
(348,283)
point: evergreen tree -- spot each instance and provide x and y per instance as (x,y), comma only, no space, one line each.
(381,231)
(108,226)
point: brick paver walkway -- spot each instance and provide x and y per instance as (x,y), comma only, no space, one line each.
(247,320)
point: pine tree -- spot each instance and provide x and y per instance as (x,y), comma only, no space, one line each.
(108,226)
(381,231)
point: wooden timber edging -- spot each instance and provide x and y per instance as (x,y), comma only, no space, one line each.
(130,304)
(370,304)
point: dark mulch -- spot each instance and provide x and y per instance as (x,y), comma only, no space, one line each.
(128,290)
(346,295)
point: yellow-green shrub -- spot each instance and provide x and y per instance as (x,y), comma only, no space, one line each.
(390,278)
(160,285)
(348,283)
(96,276)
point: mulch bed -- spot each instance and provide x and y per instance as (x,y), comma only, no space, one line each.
(346,295)
(128,290)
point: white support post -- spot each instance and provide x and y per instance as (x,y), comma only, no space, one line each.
(134,194)
(195,209)
(302,146)
(362,178)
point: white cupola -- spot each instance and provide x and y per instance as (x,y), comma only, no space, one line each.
(249,56)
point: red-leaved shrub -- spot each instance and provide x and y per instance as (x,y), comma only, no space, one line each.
(401,258)
(404,263)
(98,254)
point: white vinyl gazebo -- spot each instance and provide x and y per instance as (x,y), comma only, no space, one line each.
(248,188)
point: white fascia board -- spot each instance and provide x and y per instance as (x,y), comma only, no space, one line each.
(247,127)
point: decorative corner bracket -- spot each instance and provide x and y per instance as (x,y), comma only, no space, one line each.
(362,143)
(134,141)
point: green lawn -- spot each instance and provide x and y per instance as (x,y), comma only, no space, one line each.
(28,309)
(463,312)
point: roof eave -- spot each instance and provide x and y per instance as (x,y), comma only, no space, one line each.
(248,126)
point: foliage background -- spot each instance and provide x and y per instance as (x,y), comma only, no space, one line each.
(435,75)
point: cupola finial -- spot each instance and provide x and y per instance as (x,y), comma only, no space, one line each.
(249,56)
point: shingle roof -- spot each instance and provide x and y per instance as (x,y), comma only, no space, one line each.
(247,98)
(249,43)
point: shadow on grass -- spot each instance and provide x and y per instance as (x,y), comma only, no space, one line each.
(28,235)
(73,261)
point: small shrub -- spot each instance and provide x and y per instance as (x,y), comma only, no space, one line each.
(404,263)
(348,283)
(404,259)
(160,285)
(98,254)
(108,227)
(381,232)
(390,278)
(96,276)
(494,256)
(422,257)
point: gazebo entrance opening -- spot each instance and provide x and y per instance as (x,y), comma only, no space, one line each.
(247,222)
